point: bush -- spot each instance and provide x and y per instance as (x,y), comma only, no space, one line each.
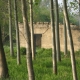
(23,50)
(77,53)
(6,49)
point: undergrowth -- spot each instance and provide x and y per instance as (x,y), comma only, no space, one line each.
(42,66)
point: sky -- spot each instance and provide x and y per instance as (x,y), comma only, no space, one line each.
(60,1)
(72,9)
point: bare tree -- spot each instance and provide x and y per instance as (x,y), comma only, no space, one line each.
(32,30)
(17,32)
(57,31)
(28,42)
(65,37)
(10,29)
(72,54)
(3,64)
(53,39)
(79,13)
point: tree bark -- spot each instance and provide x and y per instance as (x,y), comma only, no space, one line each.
(79,14)
(53,39)
(27,36)
(65,38)
(3,64)
(17,32)
(10,29)
(32,29)
(73,62)
(57,31)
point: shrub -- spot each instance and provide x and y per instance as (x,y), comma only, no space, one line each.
(23,50)
(77,53)
(41,50)
(6,49)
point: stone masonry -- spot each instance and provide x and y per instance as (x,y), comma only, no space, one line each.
(43,39)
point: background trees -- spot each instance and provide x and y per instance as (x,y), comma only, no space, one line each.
(41,13)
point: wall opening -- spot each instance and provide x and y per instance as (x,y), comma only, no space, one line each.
(37,40)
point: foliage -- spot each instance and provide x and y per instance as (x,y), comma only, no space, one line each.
(42,66)
(23,50)
(36,2)
(41,13)
(77,53)
(73,20)
(47,52)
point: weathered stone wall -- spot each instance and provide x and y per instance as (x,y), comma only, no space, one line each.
(44,29)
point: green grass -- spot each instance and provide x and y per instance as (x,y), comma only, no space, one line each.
(42,66)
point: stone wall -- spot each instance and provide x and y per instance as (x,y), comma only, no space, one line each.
(43,39)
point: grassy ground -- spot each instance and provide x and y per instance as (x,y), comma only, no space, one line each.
(42,66)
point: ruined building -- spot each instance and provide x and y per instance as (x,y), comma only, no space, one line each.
(43,39)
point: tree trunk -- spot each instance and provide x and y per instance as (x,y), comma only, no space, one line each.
(73,62)
(27,35)
(53,40)
(10,28)
(32,30)
(57,31)
(17,32)
(3,63)
(65,38)
(79,13)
